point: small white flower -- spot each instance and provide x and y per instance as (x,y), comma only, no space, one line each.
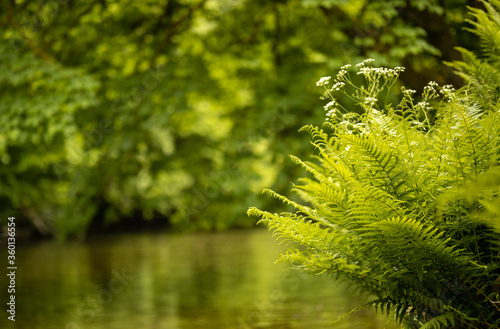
(448,92)
(447,89)
(323,81)
(337,86)
(329,105)
(345,67)
(341,75)
(408,91)
(331,113)
(366,61)
(366,70)
(370,100)
(387,72)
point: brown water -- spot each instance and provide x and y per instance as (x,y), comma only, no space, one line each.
(217,280)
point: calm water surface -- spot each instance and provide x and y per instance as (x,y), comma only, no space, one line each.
(217,280)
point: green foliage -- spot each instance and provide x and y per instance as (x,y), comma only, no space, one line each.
(177,110)
(38,126)
(402,200)
(483,72)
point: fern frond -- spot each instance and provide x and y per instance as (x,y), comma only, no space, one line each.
(335,167)
(380,164)
(418,243)
(471,138)
(368,204)
(323,195)
(481,73)
(487,26)
(310,168)
(314,131)
(310,213)
(484,72)
(443,321)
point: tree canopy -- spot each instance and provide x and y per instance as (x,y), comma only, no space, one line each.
(176,110)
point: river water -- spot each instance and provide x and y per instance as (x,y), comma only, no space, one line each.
(204,280)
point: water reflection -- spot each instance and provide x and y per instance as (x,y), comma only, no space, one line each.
(221,280)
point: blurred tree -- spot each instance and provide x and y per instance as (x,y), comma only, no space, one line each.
(176,109)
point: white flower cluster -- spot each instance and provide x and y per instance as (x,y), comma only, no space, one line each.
(329,105)
(431,85)
(365,62)
(370,100)
(331,110)
(330,114)
(424,106)
(337,86)
(377,79)
(381,71)
(342,75)
(430,90)
(447,89)
(408,92)
(448,92)
(365,70)
(323,81)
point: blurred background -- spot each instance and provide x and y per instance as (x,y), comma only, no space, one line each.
(135,134)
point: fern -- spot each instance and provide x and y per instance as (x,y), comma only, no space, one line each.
(483,72)
(404,201)
(445,320)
